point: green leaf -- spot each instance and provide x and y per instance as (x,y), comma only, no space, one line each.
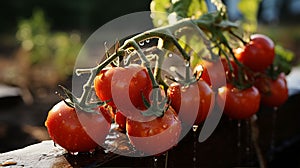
(283,59)
(180,8)
(165,12)
(282,62)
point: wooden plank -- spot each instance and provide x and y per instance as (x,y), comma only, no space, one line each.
(43,154)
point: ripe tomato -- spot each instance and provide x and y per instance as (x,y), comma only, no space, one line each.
(102,85)
(274,93)
(155,136)
(258,54)
(229,75)
(239,104)
(124,87)
(107,113)
(120,119)
(76,132)
(211,72)
(192,103)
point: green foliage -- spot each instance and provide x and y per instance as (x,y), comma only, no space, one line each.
(159,9)
(176,9)
(197,8)
(249,9)
(282,62)
(167,11)
(57,49)
(181,8)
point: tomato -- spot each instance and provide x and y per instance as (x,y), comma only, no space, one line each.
(274,93)
(211,72)
(76,132)
(107,113)
(120,119)
(102,85)
(239,104)
(234,73)
(258,54)
(124,87)
(192,103)
(155,136)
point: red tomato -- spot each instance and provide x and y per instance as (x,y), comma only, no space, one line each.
(274,93)
(239,104)
(124,87)
(192,103)
(107,113)
(120,119)
(211,72)
(76,132)
(258,54)
(230,75)
(155,136)
(102,85)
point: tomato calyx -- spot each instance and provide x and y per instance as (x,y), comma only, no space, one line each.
(158,106)
(188,79)
(72,101)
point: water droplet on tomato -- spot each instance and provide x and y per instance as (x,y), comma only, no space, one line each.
(195,127)
(172,68)
(74,153)
(141,43)
(92,151)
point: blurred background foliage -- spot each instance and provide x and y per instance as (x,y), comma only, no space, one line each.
(40,40)
(55,49)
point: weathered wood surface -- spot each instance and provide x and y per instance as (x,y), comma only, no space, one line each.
(47,155)
(43,154)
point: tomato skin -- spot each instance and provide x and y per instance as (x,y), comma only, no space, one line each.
(66,130)
(120,119)
(211,72)
(258,54)
(102,85)
(192,103)
(126,85)
(274,93)
(234,73)
(107,113)
(155,136)
(239,104)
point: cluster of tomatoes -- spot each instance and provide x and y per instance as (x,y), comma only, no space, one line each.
(128,92)
(248,81)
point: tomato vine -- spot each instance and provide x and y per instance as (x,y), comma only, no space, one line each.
(223,40)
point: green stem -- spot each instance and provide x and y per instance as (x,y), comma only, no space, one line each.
(165,33)
(156,108)
(187,72)
(157,72)
(178,46)
(206,41)
(238,37)
(145,61)
(87,87)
